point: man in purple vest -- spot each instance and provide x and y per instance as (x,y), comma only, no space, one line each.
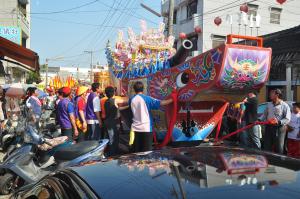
(65,115)
(93,113)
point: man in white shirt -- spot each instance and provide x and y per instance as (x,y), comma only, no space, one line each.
(93,118)
(294,132)
(141,106)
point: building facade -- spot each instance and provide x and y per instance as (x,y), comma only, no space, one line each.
(285,70)
(15,26)
(16,13)
(275,18)
(189,14)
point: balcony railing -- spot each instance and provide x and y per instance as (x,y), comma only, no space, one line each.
(24,20)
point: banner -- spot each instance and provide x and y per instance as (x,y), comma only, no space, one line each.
(11,33)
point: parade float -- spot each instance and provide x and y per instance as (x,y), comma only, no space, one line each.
(57,82)
(206,83)
(102,77)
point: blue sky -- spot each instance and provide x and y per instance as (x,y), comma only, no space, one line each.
(68,34)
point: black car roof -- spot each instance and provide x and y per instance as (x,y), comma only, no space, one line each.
(196,172)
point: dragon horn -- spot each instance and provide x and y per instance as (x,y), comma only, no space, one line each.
(232,63)
(261,64)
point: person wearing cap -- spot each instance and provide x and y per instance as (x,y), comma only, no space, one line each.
(93,114)
(66,115)
(80,112)
(279,113)
(250,116)
(293,130)
(50,99)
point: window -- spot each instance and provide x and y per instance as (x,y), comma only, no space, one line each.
(24,42)
(218,40)
(174,16)
(191,9)
(252,10)
(275,15)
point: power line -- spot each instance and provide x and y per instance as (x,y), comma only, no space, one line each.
(74,8)
(94,11)
(107,17)
(114,23)
(93,31)
(76,12)
(74,22)
(100,34)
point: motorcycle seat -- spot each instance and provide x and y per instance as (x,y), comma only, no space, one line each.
(75,150)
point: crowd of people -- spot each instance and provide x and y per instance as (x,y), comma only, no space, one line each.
(282,132)
(87,113)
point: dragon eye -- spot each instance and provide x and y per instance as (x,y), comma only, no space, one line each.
(182,79)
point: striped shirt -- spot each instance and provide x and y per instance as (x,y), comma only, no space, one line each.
(280,111)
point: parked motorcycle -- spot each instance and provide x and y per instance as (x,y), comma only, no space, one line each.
(12,135)
(40,156)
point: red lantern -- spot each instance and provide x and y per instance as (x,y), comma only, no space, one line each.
(281,1)
(218,21)
(198,29)
(182,35)
(244,8)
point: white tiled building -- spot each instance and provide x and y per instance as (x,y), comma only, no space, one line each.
(191,13)
(15,15)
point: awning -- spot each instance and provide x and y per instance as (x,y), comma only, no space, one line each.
(284,58)
(26,58)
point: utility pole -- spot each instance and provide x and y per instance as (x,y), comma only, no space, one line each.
(47,67)
(77,74)
(170,19)
(46,81)
(91,52)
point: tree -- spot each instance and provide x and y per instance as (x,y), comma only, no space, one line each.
(43,68)
(33,77)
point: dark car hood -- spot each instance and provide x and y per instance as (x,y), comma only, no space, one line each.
(198,172)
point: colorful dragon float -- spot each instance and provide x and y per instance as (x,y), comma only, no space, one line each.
(206,83)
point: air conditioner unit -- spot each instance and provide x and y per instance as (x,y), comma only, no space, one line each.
(23,2)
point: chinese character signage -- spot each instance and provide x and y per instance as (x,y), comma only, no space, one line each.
(11,33)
